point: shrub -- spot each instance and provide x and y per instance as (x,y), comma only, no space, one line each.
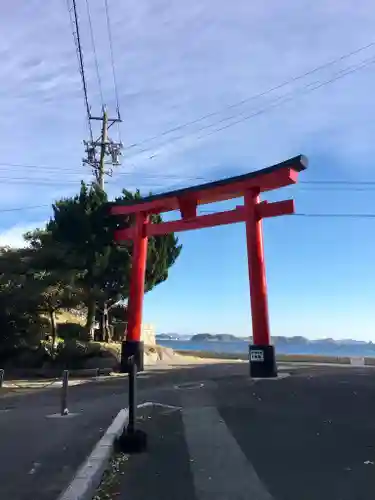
(73,353)
(70,331)
(29,357)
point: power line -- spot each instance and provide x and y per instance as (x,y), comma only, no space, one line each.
(19,209)
(109,28)
(341,182)
(95,55)
(312,215)
(253,97)
(313,185)
(291,95)
(277,102)
(77,41)
(44,168)
(321,215)
(40,182)
(346,216)
(341,189)
(51,181)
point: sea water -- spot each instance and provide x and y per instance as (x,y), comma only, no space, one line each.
(242,347)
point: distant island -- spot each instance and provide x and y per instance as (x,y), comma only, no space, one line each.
(278,340)
(226,342)
(222,337)
(167,336)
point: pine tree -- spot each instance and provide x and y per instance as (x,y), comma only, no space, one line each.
(80,235)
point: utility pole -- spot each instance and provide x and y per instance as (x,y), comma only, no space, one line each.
(98,151)
(100,172)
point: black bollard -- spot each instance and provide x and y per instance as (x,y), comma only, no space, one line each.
(132,440)
(1,377)
(64,393)
(132,397)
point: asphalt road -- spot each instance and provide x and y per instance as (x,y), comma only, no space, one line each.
(310,436)
(39,455)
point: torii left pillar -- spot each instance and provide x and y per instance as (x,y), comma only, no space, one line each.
(133,345)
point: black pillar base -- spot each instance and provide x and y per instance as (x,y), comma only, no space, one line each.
(132,348)
(262,361)
(132,442)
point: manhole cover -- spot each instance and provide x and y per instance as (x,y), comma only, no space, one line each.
(190,385)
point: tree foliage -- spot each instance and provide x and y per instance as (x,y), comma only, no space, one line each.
(19,321)
(82,229)
(73,262)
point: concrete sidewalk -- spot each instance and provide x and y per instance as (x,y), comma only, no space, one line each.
(306,437)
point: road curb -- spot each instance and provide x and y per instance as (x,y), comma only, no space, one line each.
(90,473)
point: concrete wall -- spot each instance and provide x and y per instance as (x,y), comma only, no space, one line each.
(148,334)
(298,358)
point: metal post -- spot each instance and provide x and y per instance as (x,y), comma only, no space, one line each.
(132,395)
(1,377)
(64,393)
(132,440)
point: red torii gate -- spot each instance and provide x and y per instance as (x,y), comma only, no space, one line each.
(248,186)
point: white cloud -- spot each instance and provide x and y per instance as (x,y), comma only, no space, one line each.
(13,237)
(177,61)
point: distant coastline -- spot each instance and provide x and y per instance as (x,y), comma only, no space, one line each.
(226,343)
(277,340)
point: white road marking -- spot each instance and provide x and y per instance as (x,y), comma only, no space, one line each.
(147,404)
(220,469)
(190,385)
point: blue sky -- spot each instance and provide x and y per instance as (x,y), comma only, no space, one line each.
(176,62)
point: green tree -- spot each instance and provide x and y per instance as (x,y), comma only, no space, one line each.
(38,284)
(20,325)
(82,231)
(118,313)
(52,292)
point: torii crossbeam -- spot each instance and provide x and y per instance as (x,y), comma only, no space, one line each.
(248,186)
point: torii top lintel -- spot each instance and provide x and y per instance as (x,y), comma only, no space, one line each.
(266,179)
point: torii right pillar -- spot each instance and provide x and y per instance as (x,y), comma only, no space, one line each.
(261,353)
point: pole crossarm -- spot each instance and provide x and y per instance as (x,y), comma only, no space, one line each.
(110,120)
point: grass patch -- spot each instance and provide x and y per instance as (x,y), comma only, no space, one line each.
(110,487)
